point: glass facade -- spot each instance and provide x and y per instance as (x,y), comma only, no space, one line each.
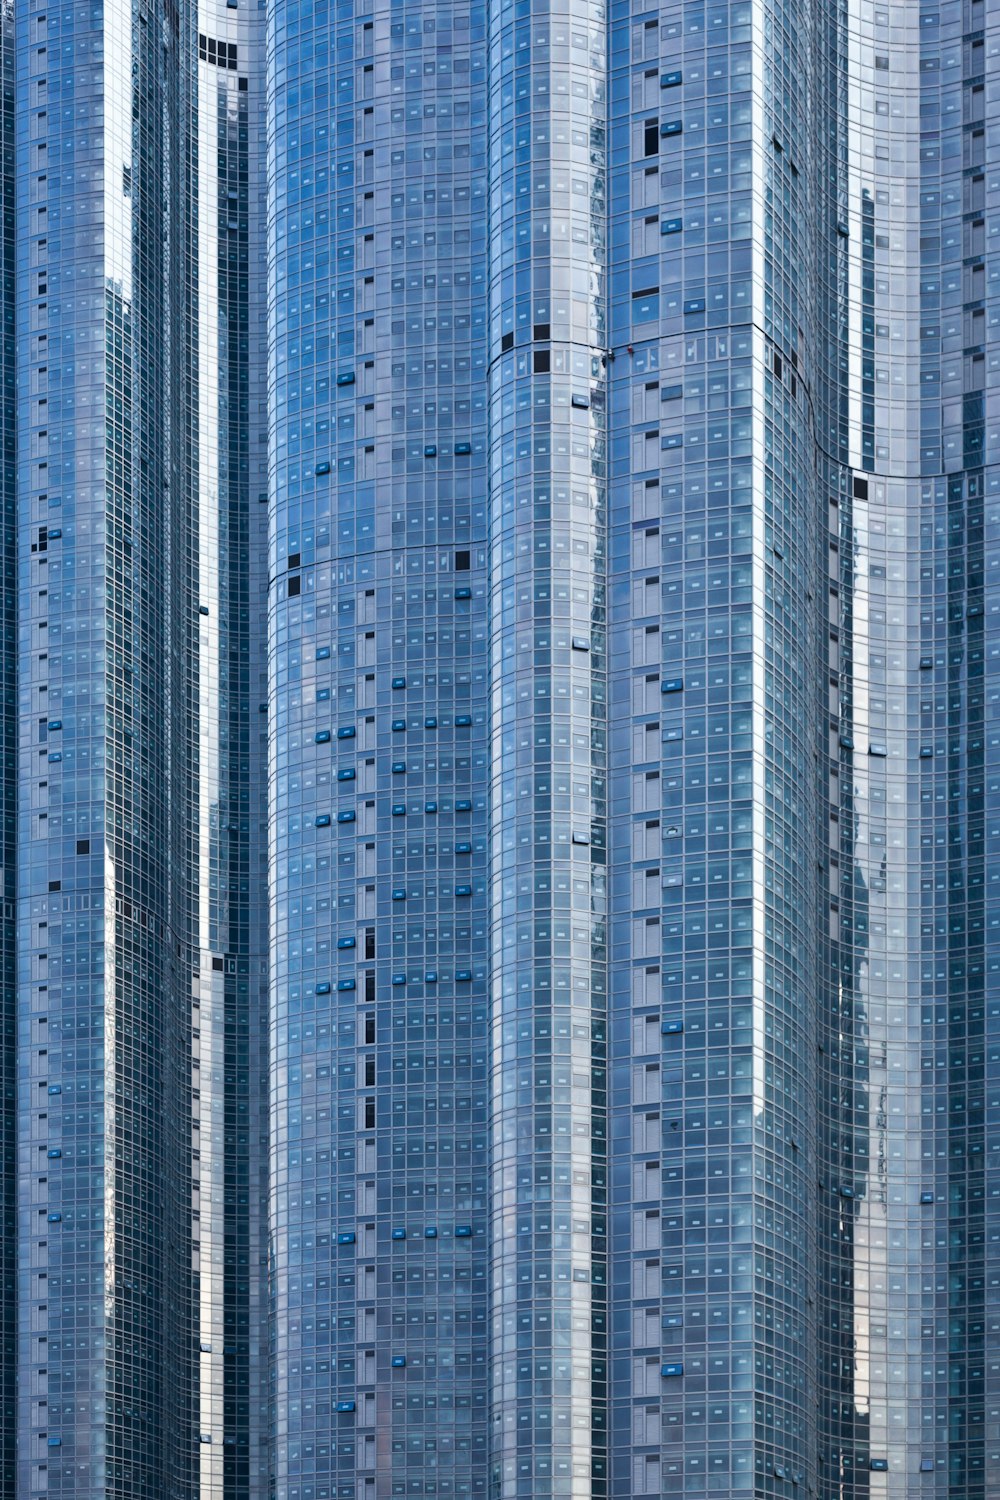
(713,506)
(222,558)
(141,927)
(96,317)
(500,756)
(549,764)
(907,1262)
(380,762)
(8,777)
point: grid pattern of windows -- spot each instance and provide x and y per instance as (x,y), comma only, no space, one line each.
(140,917)
(712,752)
(94,995)
(908,1063)
(505,496)
(222,554)
(379,750)
(548,661)
(8,775)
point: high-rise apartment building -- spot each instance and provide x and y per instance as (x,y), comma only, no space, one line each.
(499,750)
(140,882)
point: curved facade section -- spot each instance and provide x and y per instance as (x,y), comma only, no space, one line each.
(904,1219)
(97,352)
(378,745)
(140,911)
(574,597)
(548,658)
(8,774)
(223,561)
(714,738)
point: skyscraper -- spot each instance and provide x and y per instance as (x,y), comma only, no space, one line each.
(141,937)
(499,956)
